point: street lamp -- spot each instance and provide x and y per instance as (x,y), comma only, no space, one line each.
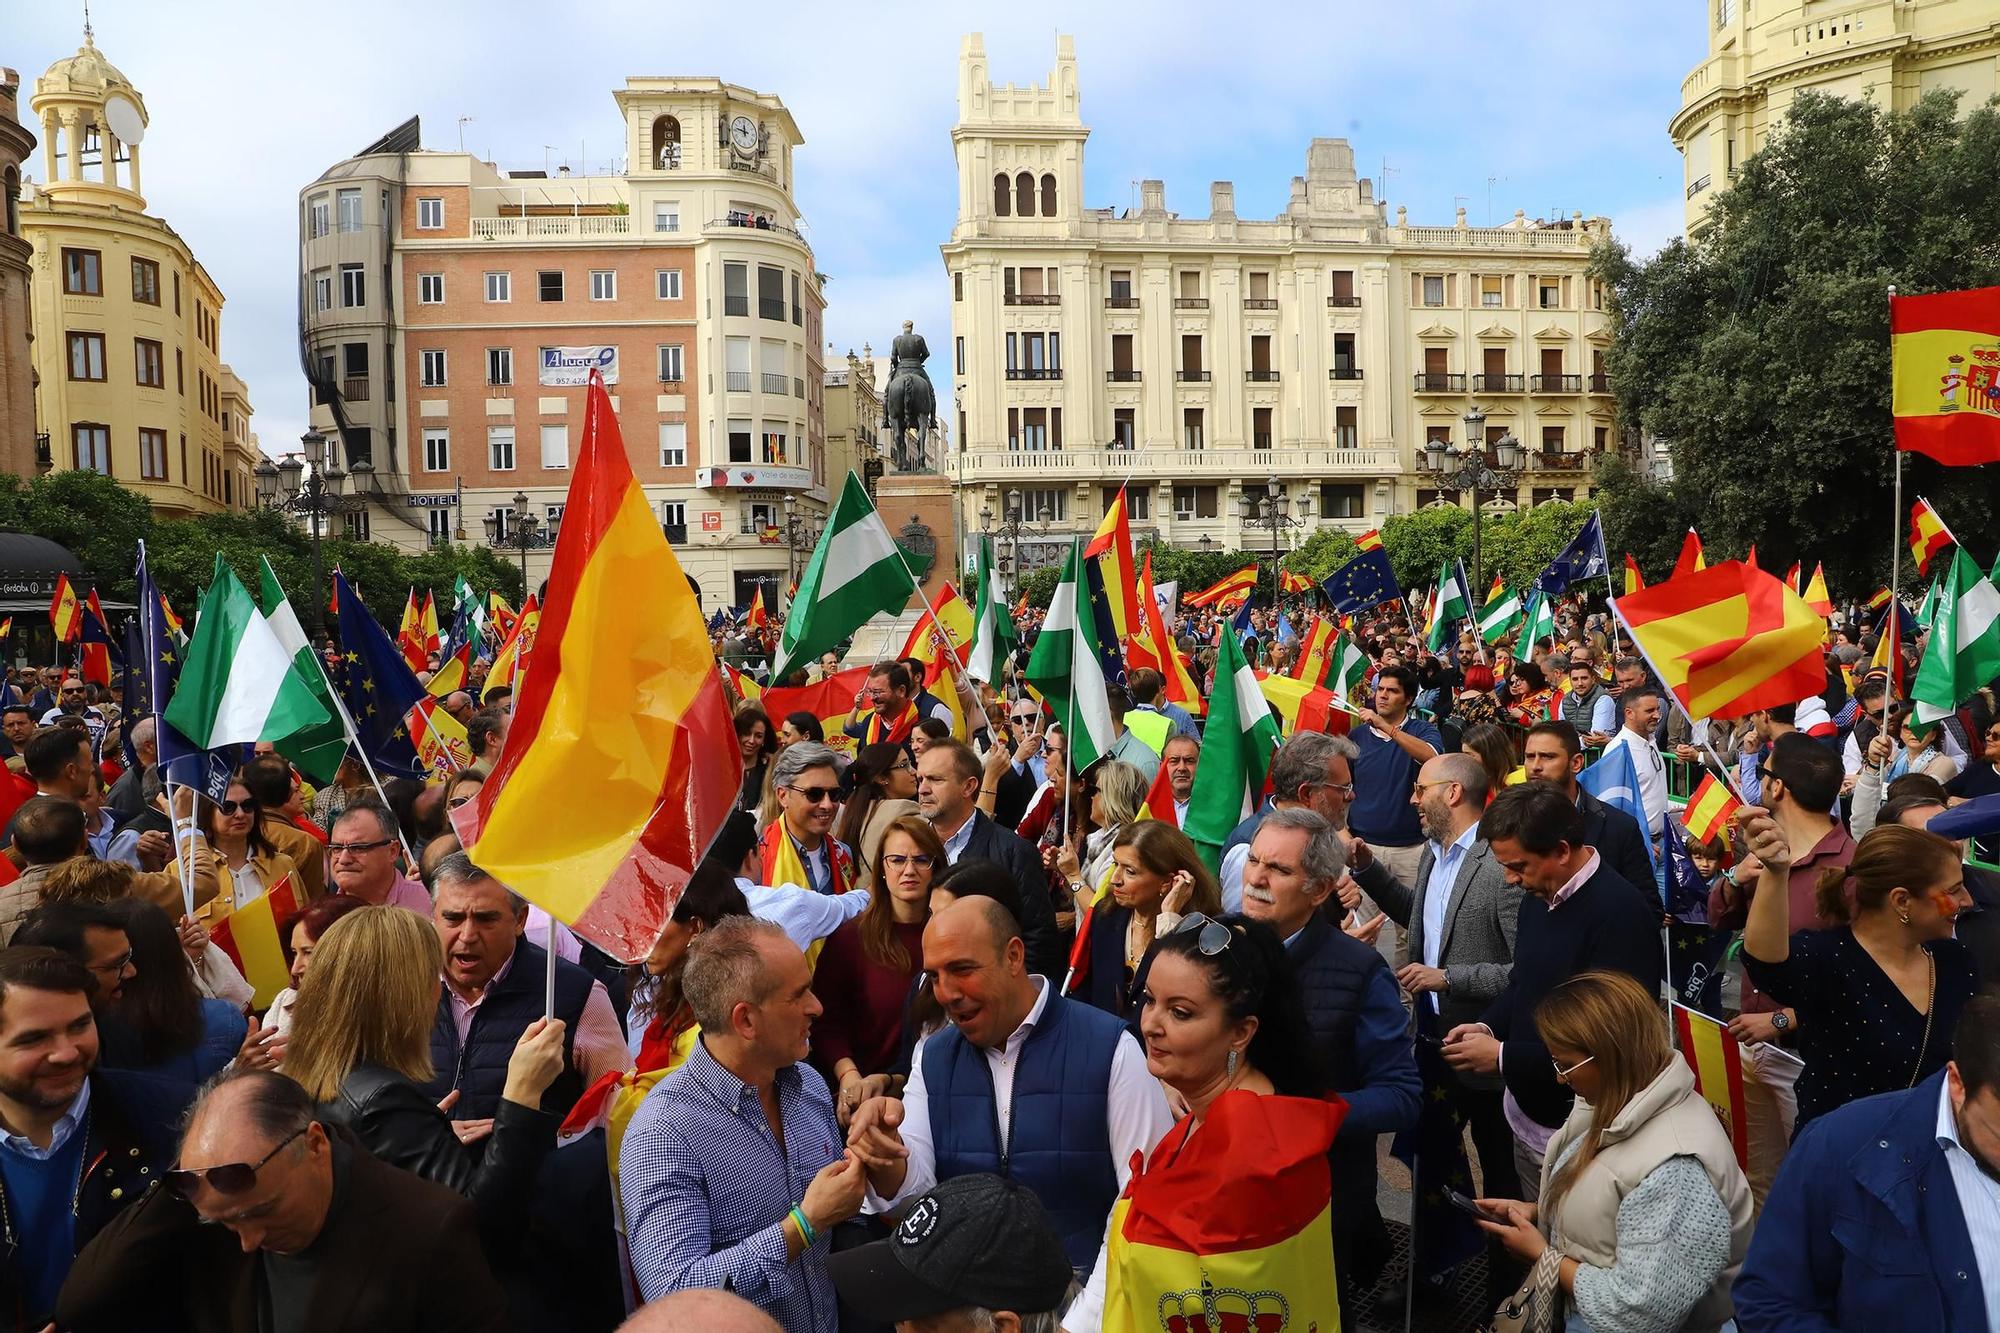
(303,486)
(1010,531)
(1465,468)
(1271,511)
(520,534)
(799,535)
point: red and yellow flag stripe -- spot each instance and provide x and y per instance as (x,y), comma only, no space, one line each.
(1928,534)
(1717,1062)
(1237,586)
(1728,640)
(1709,810)
(1945,375)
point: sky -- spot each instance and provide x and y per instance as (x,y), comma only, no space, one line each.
(1467,103)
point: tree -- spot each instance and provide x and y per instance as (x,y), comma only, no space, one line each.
(1759,350)
(1418,544)
(1322,553)
(99,521)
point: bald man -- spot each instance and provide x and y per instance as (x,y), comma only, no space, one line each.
(707,1310)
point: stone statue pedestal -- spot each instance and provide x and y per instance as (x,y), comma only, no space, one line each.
(926,497)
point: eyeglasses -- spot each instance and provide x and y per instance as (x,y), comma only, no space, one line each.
(814,795)
(457,801)
(112,967)
(230,1177)
(1026,719)
(1562,1075)
(1344,788)
(921,860)
(1214,936)
(903,765)
(336,848)
(248,807)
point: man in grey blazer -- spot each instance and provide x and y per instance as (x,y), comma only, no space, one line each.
(1461,916)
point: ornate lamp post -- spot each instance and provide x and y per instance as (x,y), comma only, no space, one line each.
(310,488)
(1016,523)
(1270,510)
(1465,468)
(521,533)
(800,535)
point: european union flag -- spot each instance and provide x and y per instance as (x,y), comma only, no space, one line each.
(377,688)
(1110,656)
(1582,559)
(1368,580)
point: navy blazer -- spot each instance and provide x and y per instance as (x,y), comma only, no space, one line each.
(1863,1228)
(1620,843)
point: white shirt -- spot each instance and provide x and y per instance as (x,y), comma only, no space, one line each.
(1652,774)
(954,846)
(1135,1107)
(1979,1199)
(1180,813)
(805,917)
(1437,901)
(1233,862)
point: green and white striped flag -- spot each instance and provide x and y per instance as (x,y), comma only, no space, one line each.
(1501,613)
(317,750)
(856,572)
(1451,605)
(1236,748)
(238,683)
(1067,667)
(1538,623)
(1927,611)
(1346,669)
(1963,654)
(993,634)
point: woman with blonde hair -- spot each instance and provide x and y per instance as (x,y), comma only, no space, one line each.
(360,1046)
(1157,876)
(1645,1214)
(1116,792)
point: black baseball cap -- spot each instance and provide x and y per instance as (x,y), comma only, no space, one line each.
(976,1240)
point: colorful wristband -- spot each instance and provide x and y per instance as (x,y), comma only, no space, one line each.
(798,1217)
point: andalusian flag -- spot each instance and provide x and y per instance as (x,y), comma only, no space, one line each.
(1634,580)
(239,683)
(1067,666)
(993,632)
(1237,743)
(1728,640)
(1691,559)
(1111,547)
(1347,671)
(65,612)
(1815,594)
(830,700)
(855,572)
(621,763)
(1450,605)
(1228,590)
(1717,1062)
(1538,622)
(1710,809)
(316,751)
(515,650)
(1501,614)
(1928,534)
(1963,654)
(1946,386)
(249,935)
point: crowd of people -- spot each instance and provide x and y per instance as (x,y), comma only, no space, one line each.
(944,1027)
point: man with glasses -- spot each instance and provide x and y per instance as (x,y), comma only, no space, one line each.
(73,700)
(799,845)
(361,859)
(60,1114)
(805,917)
(948,777)
(272,1225)
(1311,771)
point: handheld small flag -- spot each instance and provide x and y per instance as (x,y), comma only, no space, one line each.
(1370,540)
(758,619)
(1963,653)
(1111,547)
(1165,655)
(512,659)
(1710,809)
(1289,582)
(1237,745)
(856,571)
(65,612)
(1717,1062)
(1634,580)
(1889,657)
(1226,590)
(98,650)
(1501,614)
(318,750)
(948,631)
(1815,594)
(1538,622)
(1067,666)
(1928,534)
(993,632)
(1695,967)
(1365,582)
(1582,559)
(378,689)
(238,683)
(249,935)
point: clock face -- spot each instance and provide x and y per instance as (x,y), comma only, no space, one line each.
(743,133)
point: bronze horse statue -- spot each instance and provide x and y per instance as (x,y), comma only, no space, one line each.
(909,403)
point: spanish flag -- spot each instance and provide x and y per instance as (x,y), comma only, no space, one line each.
(1878,599)
(1815,594)
(621,763)
(1151,645)
(427,626)
(451,675)
(831,701)
(1889,657)
(1710,809)
(1303,705)
(1928,534)
(746,690)
(1111,547)
(501,614)
(1944,359)
(1634,580)
(1717,1062)
(1691,558)
(758,617)
(249,935)
(1370,540)
(1289,582)
(65,612)
(515,650)
(410,633)
(1316,653)
(1728,640)
(949,630)
(439,738)
(1235,587)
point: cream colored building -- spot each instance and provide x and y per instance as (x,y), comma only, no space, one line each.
(1204,357)
(1764,53)
(854,419)
(129,379)
(450,304)
(17,376)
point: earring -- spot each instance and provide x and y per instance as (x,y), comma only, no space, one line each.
(1905,918)
(1229,1065)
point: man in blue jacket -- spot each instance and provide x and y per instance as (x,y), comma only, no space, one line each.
(1886,1213)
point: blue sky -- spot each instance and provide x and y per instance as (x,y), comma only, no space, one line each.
(1539,109)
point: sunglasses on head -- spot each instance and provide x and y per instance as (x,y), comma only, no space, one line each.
(1214,936)
(230,1177)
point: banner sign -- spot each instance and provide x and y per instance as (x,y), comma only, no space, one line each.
(570,367)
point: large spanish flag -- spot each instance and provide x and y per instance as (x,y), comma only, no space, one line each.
(1231,589)
(1717,1062)
(1149,644)
(1727,640)
(831,701)
(1944,357)
(622,762)
(1111,547)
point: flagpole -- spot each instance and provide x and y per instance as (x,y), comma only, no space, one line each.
(354,739)
(549,976)
(1069,765)
(1896,519)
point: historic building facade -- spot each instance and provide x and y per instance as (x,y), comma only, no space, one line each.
(451,310)
(17,373)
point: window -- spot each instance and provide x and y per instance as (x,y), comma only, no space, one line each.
(958,286)
(774,442)
(353,286)
(430,215)
(1121,357)
(145,282)
(667,284)
(1260,288)
(1190,284)
(82,275)
(549,285)
(1124,428)
(437,525)
(1341,499)
(1490,290)
(1433,289)
(1024,195)
(759,516)
(666,215)
(1191,368)
(1343,288)
(86,356)
(674,514)
(1346,427)
(771,360)
(603,284)
(670,363)
(770,292)
(1549,293)
(1343,356)
(152,454)
(437,449)
(430,289)
(736,365)
(958,355)
(1003,195)
(1260,357)
(356,524)
(500,448)
(1121,285)
(1600,438)
(149,364)
(1192,502)
(1260,428)
(499,365)
(740,440)
(1191,428)
(1138,502)
(319,216)
(1048,195)
(92,443)
(1052,502)
(499,287)
(735,289)
(177,310)
(431,360)
(322,291)
(555,446)
(1552,439)
(673,444)
(798,306)
(349,209)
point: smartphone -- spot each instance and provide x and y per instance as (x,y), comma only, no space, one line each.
(1464,1204)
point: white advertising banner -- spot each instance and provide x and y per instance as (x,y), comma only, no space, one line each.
(570,367)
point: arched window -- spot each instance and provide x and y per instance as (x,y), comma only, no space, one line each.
(1048,196)
(666,143)
(12,190)
(1003,195)
(1024,195)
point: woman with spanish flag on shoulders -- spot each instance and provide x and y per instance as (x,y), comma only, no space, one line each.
(1229,1217)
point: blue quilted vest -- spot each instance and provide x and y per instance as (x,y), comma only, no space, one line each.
(479,1069)
(1059,1139)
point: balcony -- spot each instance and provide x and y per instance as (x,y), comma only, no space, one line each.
(1167,464)
(677,533)
(1260,303)
(1600,384)
(736,381)
(1429,383)
(1122,376)
(1190,303)
(355,389)
(1343,302)
(1558,460)
(1344,373)
(535,229)
(1261,376)
(1121,303)
(1498,383)
(1698,187)
(1026,298)
(1191,376)
(774,383)
(1034,373)
(1558,384)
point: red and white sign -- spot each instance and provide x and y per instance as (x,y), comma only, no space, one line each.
(711,521)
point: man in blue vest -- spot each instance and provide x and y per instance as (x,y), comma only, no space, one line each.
(1022,1083)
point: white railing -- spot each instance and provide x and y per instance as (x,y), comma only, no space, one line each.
(1498,238)
(522,229)
(1179,463)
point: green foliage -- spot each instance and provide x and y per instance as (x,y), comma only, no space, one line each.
(1322,553)
(1759,351)
(1418,544)
(99,521)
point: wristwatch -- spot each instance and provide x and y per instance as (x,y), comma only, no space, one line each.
(1781,1021)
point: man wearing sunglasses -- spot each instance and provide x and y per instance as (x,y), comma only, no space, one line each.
(271,1223)
(799,845)
(76,1144)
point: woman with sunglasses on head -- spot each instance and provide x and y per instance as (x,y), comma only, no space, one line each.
(1645,1214)
(250,862)
(463,789)
(1224,1029)
(866,968)
(1157,875)
(1878,995)
(881,788)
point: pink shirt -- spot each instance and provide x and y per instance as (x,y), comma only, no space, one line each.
(598,1045)
(406,892)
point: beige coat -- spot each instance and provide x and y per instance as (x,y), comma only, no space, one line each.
(160,887)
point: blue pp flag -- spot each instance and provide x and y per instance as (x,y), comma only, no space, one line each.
(1687,891)
(1366,581)
(377,687)
(1582,559)
(1614,781)
(182,763)
(1286,634)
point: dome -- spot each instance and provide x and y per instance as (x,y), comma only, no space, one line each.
(86,71)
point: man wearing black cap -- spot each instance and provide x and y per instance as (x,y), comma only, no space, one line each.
(976,1252)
